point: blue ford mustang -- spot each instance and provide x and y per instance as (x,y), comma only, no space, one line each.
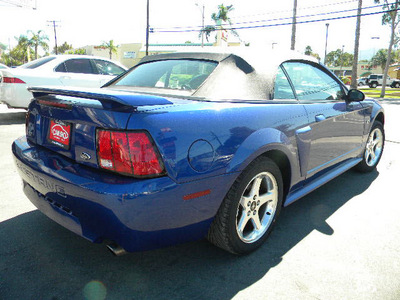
(188,145)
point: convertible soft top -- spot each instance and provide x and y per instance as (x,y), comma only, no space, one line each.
(242,74)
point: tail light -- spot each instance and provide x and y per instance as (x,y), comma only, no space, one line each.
(12,80)
(129,153)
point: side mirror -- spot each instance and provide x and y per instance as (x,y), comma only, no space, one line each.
(355,95)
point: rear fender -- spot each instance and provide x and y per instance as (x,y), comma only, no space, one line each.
(258,143)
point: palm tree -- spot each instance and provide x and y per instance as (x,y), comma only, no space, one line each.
(221,16)
(38,40)
(356,47)
(111,47)
(391,17)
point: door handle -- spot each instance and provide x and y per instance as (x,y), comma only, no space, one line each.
(320,118)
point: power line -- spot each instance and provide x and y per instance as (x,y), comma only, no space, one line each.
(299,8)
(282,24)
(20,3)
(196,28)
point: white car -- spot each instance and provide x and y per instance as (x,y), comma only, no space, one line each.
(57,70)
(2,66)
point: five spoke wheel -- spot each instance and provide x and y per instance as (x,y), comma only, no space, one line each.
(257,207)
(374,147)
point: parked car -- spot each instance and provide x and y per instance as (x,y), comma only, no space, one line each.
(2,66)
(62,70)
(395,83)
(362,81)
(375,80)
(192,145)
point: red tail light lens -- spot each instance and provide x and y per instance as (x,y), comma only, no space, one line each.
(12,80)
(130,153)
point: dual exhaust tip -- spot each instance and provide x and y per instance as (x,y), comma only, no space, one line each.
(116,249)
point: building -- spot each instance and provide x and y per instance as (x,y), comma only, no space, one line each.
(130,54)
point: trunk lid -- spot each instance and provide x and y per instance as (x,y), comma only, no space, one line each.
(65,120)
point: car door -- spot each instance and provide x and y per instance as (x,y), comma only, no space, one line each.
(335,127)
(80,72)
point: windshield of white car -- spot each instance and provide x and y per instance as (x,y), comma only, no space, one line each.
(175,74)
(37,62)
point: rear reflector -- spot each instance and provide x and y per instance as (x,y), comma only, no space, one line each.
(129,153)
(12,80)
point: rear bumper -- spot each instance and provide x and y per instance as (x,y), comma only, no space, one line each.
(136,214)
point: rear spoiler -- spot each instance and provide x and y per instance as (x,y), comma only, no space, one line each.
(110,99)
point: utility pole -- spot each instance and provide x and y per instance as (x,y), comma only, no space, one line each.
(353,84)
(293,43)
(326,41)
(53,23)
(202,24)
(147,28)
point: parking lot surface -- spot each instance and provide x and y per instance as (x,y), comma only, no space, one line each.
(341,241)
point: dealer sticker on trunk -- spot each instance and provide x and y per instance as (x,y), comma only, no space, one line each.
(59,133)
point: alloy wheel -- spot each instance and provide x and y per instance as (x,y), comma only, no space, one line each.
(257,207)
(373,149)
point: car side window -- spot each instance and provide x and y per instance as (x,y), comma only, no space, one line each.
(107,68)
(282,88)
(76,66)
(312,83)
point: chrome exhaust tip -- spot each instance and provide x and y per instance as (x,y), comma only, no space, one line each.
(116,249)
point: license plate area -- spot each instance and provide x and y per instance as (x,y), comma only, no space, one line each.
(59,133)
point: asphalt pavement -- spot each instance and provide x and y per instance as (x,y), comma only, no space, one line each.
(341,241)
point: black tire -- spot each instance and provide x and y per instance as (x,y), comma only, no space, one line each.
(373,85)
(397,85)
(262,174)
(373,149)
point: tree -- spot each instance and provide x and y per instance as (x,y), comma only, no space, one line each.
(308,51)
(79,51)
(339,58)
(111,47)
(38,40)
(63,48)
(391,17)
(354,83)
(293,40)
(221,16)
(20,54)
(380,58)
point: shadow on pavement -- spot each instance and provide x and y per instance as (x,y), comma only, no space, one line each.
(41,260)
(10,117)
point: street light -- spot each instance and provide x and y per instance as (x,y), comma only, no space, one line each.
(202,24)
(374,38)
(326,41)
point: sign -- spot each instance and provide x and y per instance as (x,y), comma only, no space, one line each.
(130,54)
(59,133)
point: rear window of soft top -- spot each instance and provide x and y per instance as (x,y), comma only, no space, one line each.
(182,74)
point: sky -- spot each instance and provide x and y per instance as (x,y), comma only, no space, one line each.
(91,22)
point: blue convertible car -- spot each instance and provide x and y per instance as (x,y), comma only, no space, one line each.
(192,145)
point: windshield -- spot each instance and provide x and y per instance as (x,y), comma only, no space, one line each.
(37,62)
(179,74)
